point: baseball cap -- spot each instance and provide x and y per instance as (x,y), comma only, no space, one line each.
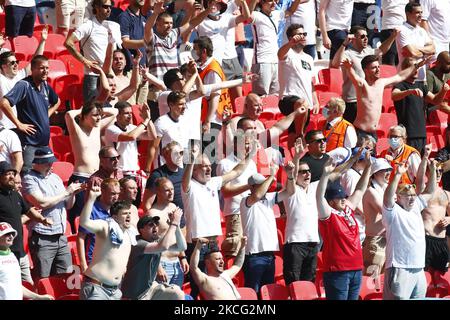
(335,191)
(146,220)
(44,155)
(256,178)
(363,154)
(6,167)
(6,228)
(380,164)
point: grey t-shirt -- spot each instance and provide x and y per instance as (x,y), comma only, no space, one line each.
(348,90)
(141,271)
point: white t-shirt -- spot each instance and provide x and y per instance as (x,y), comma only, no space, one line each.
(338,14)
(231,205)
(393,13)
(436,13)
(259,225)
(9,143)
(302,216)
(303,16)
(265,35)
(295,74)
(202,209)
(20,3)
(415,36)
(6,84)
(162,102)
(10,278)
(93,37)
(169,130)
(217,32)
(405,236)
(128,150)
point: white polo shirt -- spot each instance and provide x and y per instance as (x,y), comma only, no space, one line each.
(338,14)
(217,32)
(415,36)
(128,150)
(405,235)
(393,13)
(231,205)
(302,223)
(202,209)
(295,74)
(265,35)
(259,225)
(436,13)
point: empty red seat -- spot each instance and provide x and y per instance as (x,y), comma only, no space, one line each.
(73,66)
(61,145)
(64,170)
(332,78)
(247,293)
(324,97)
(239,104)
(303,290)
(25,45)
(382,144)
(54,45)
(387,71)
(386,121)
(270,102)
(60,285)
(274,291)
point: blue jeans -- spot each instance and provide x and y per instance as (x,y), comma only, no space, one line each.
(28,157)
(174,272)
(259,270)
(89,88)
(75,211)
(342,285)
(19,21)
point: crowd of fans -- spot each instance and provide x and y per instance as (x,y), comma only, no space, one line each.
(180,178)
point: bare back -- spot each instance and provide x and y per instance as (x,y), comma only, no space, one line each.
(218,288)
(109,262)
(372,204)
(435,212)
(85,148)
(369,105)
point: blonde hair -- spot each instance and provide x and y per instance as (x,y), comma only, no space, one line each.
(337,103)
(400,128)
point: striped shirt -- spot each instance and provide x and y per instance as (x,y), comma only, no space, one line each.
(163,53)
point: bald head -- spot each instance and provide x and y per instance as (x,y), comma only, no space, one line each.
(253,106)
(443,62)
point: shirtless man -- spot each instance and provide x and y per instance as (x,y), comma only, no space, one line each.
(216,284)
(435,220)
(85,126)
(170,270)
(369,91)
(375,243)
(128,192)
(114,238)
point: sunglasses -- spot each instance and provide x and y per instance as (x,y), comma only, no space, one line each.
(304,171)
(302,34)
(13,63)
(323,140)
(106,6)
(116,158)
(363,36)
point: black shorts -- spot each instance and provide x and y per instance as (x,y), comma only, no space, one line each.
(437,253)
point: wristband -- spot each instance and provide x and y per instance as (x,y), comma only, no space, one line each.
(174,224)
(183,257)
(145,126)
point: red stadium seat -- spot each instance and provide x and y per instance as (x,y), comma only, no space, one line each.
(274,291)
(367,287)
(62,86)
(56,68)
(271,103)
(25,45)
(75,95)
(59,285)
(76,224)
(239,104)
(61,145)
(73,66)
(38,30)
(56,131)
(247,293)
(2,22)
(64,170)
(387,71)
(324,97)
(68,229)
(386,121)
(54,45)
(388,103)
(382,144)
(332,78)
(71,296)
(72,242)
(303,290)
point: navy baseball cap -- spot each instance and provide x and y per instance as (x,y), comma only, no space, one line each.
(335,191)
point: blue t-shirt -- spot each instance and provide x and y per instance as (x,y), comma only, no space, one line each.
(132,26)
(98,213)
(32,108)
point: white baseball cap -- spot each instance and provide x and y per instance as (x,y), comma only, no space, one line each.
(380,164)
(6,228)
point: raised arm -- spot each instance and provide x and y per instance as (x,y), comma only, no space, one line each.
(282,125)
(262,189)
(339,56)
(294,6)
(405,73)
(239,260)
(40,48)
(283,51)
(386,44)
(421,171)
(108,116)
(290,184)
(148,29)
(356,80)
(389,193)
(240,167)
(431,185)
(189,168)
(198,276)
(362,184)
(245,11)
(187,28)
(105,89)
(323,208)
(94,226)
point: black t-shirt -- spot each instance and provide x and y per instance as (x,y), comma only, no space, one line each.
(411,110)
(315,165)
(12,207)
(175,177)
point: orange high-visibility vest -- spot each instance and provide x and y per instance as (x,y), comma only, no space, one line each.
(336,135)
(225,101)
(402,157)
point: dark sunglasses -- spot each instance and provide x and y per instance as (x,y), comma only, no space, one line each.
(302,34)
(106,6)
(323,140)
(113,158)
(363,36)
(14,62)
(304,171)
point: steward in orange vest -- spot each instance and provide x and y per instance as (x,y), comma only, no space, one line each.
(402,157)
(336,134)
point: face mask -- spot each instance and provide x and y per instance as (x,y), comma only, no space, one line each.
(394,143)
(195,56)
(215,14)
(325,113)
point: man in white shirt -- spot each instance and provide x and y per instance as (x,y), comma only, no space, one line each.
(296,68)
(405,235)
(10,148)
(10,74)
(265,34)
(201,199)
(435,21)
(334,21)
(258,222)
(413,40)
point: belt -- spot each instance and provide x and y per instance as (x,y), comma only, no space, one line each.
(262,254)
(104,285)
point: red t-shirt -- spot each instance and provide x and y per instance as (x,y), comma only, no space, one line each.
(341,245)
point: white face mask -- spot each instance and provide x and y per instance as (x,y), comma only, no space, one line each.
(195,56)
(215,14)
(394,143)
(325,113)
